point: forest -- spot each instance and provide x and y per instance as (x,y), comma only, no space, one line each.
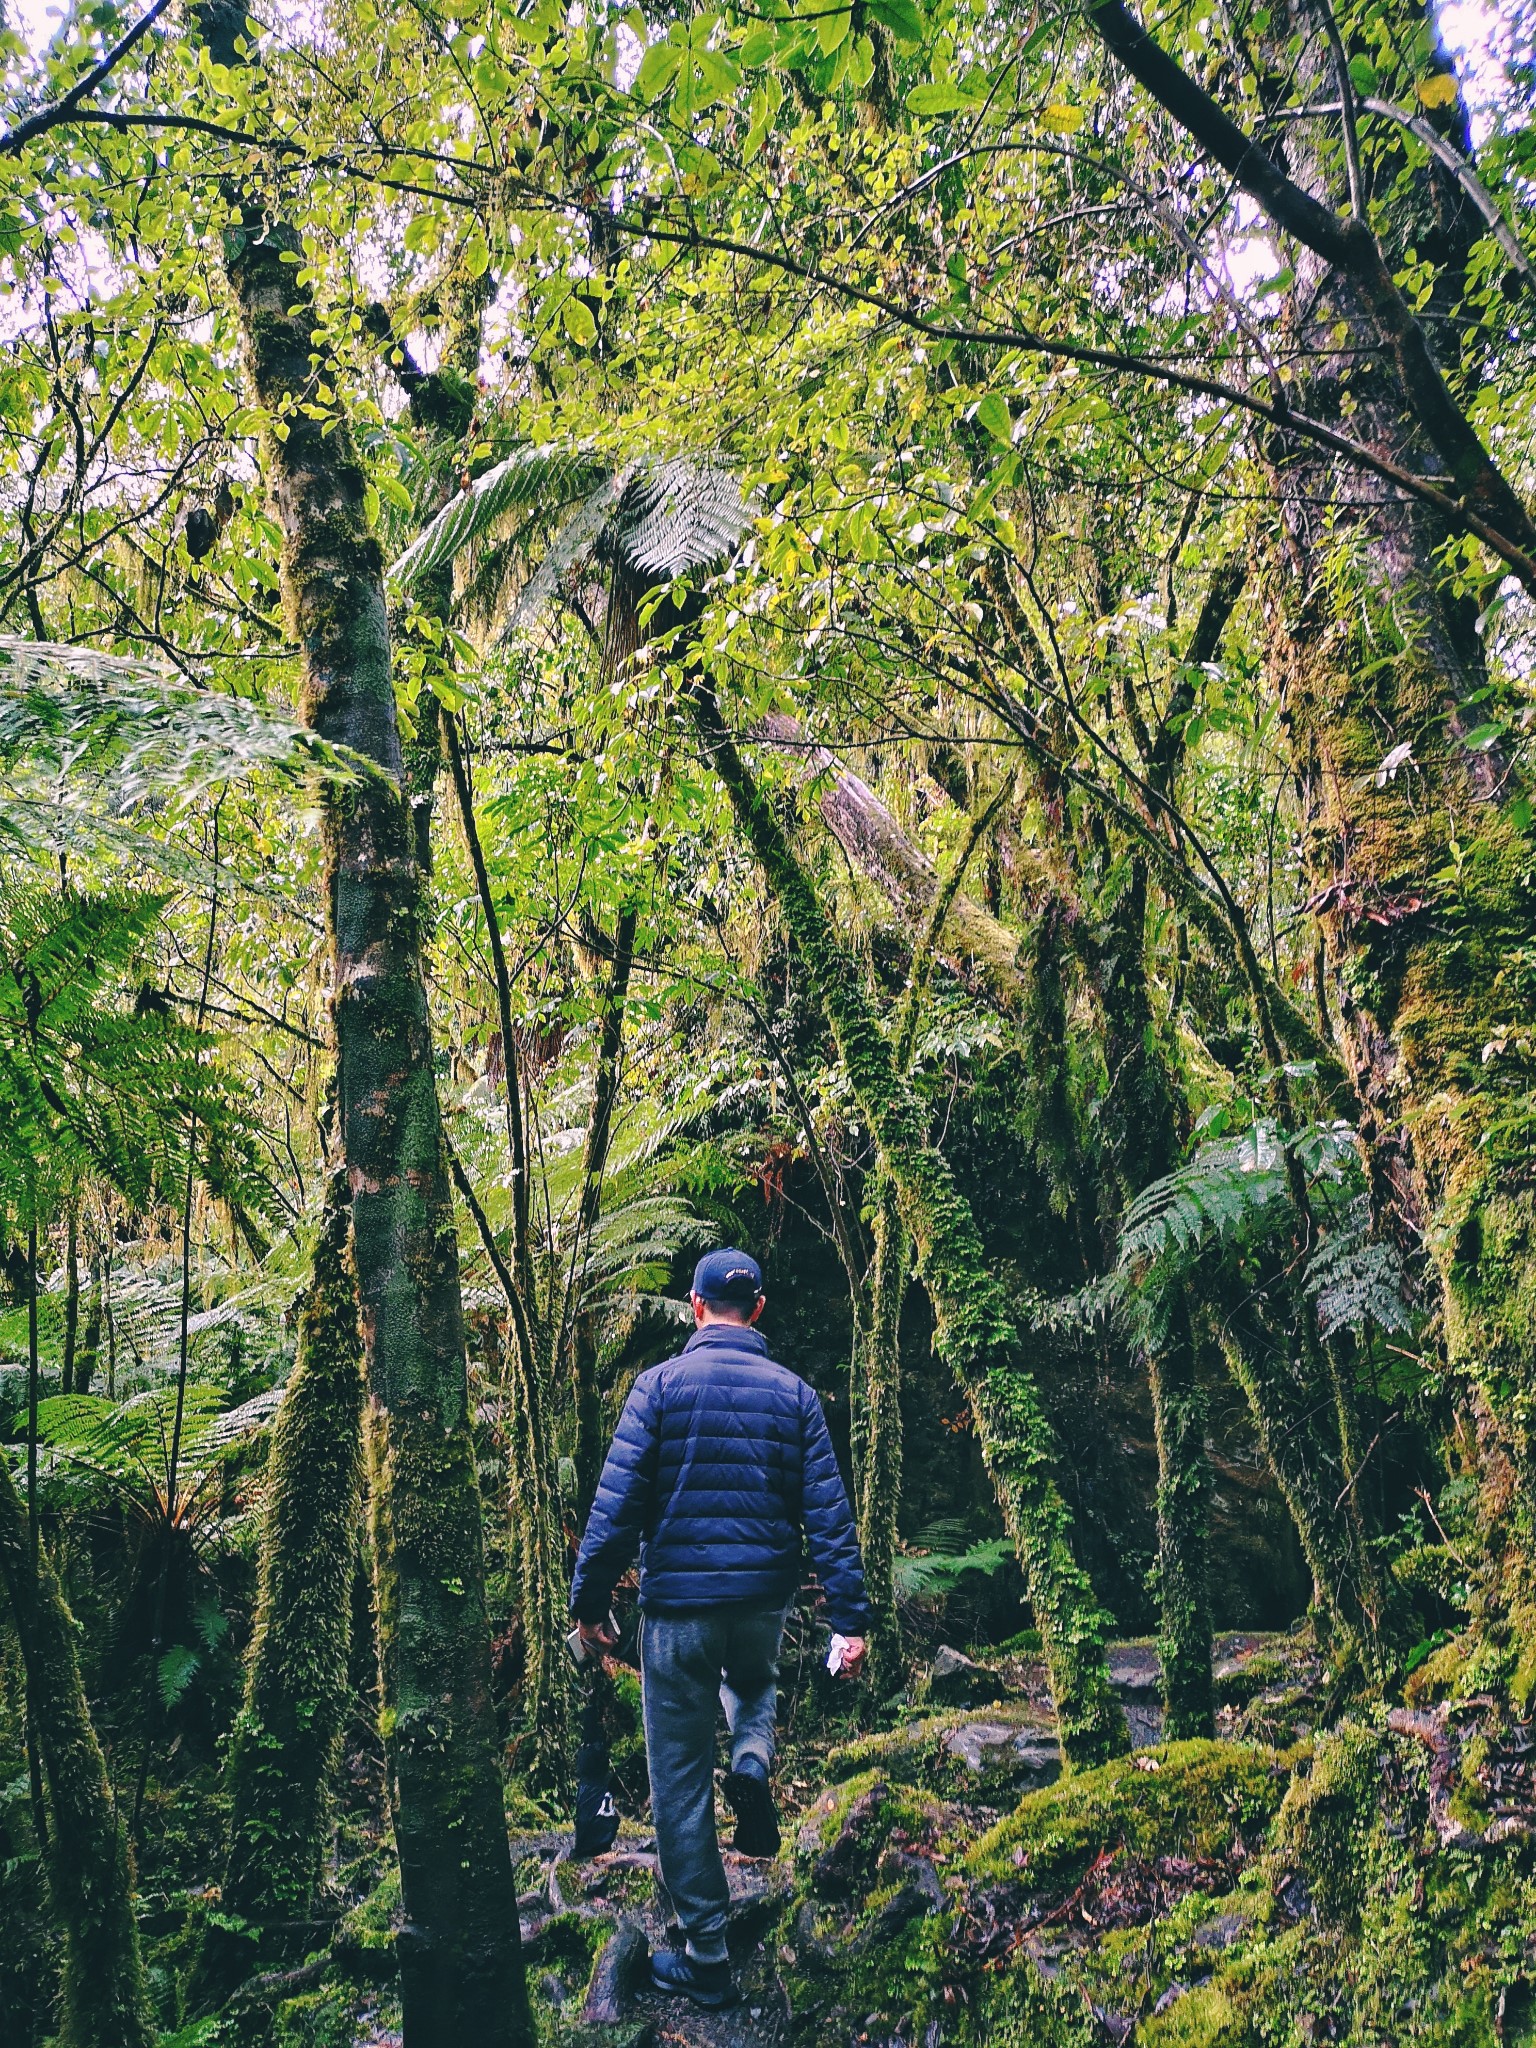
(900,633)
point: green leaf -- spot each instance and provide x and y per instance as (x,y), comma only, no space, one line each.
(477,256)
(939,96)
(759,48)
(658,68)
(993,414)
(576,318)
(831,30)
(901,17)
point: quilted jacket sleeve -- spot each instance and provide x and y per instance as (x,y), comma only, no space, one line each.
(619,1509)
(829,1530)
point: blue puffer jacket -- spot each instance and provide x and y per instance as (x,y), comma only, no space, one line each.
(720,1458)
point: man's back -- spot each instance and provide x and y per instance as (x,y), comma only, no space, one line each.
(720,1458)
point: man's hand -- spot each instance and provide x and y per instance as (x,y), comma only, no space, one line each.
(597,1635)
(852,1663)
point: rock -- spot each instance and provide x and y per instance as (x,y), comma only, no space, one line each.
(1225,1931)
(979,1744)
(616,1976)
(1170,1997)
(553,1989)
(839,1866)
(1028,1757)
(959,1680)
(809,1944)
(1038,1758)
(915,1870)
(1134,1671)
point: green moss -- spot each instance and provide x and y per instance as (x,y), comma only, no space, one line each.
(1188,1798)
(1326,1817)
(1205,2017)
(916,1753)
(326,2018)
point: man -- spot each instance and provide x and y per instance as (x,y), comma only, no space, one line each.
(720,1460)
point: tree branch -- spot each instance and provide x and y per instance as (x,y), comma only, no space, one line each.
(49,117)
(1458,513)
(1352,250)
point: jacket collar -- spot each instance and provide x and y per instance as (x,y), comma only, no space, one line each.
(736,1336)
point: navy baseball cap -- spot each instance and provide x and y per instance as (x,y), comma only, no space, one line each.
(728,1276)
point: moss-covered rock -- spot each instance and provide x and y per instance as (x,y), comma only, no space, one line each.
(1188,1798)
(993,1756)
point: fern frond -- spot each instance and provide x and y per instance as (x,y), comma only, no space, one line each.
(121,732)
(1224,1188)
(573,547)
(553,475)
(1357,1278)
(682,513)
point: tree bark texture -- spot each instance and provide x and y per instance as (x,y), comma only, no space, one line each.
(296,1689)
(1138,1114)
(975,1329)
(105,2002)
(459,1951)
(973,944)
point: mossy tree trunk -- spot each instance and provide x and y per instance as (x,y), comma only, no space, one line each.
(879,1471)
(586,1394)
(1139,1116)
(296,1689)
(1418,845)
(458,1947)
(105,2002)
(975,1328)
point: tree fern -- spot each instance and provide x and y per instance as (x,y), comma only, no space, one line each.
(683,513)
(545,474)
(123,731)
(662,516)
(1225,1188)
(94,1079)
(1357,1279)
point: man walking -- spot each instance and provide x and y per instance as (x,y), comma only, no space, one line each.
(720,1460)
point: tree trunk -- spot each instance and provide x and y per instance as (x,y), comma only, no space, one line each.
(296,1688)
(90,1341)
(105,2001)
(460,1958)
(879,1471)
(975,1329)
(1138,1114)
(71,1296)
(1417,849)
(976,946)
(590,1433)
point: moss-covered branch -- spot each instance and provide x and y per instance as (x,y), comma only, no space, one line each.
(975,1331)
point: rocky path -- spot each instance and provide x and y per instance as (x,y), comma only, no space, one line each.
(985,1738)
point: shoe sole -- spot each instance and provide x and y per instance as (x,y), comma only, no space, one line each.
(751,1800)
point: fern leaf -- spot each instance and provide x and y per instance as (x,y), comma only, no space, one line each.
(681,514)
(1356,1278)
(546,473)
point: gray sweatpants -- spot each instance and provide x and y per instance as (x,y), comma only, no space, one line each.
(690,1666)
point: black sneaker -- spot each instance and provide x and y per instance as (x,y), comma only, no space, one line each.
(707,1984)
(750,1798)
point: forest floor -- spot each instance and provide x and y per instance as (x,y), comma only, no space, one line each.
(1321,1872)
(980,1740)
